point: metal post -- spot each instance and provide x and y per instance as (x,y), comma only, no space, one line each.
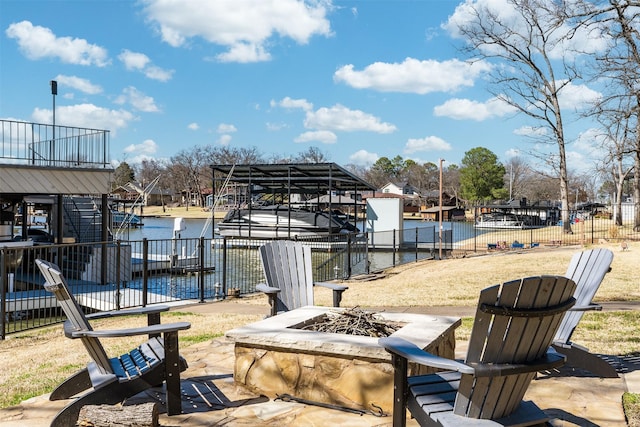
(393,252)
(118,266)
(201,275)
(440,214)
(54,92)
(3,294)
(103,239)
(145,270)
(349,243)
(224,267)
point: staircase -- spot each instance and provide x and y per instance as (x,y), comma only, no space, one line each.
(82,223)
(82,219)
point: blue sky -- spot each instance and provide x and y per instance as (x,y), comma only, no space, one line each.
(357,79)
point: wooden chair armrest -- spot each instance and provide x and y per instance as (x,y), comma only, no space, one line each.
(550,360)
(152,312)
(113,333)
(272,293)
(337,291)
(269,290)
(333,286)
(152,309)
(592,306)
(413,353)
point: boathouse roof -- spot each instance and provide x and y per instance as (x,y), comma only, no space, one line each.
(303,178)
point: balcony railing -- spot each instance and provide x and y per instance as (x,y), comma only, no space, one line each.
(35,144)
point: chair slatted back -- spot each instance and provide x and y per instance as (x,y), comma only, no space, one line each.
(587,269)
(287,266)
(56,284)
(515,323)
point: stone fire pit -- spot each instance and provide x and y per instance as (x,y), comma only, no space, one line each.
(274,356)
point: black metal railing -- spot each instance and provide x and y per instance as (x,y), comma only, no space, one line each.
(122,274)
(44,145)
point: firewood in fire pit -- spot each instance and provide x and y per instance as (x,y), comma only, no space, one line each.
(354,321)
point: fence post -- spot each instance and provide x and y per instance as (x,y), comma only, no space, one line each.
(349,242)
(118,272)
(3,294)
(145,270)
(201,275)
(224,267)
(416,244)
(393,252)
(367,267)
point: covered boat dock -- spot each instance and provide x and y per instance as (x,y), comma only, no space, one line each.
(296,185)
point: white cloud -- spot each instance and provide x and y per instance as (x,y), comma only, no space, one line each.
(531,131)
(413,76)
(274,127)
(587,147)
(429,143)
(146,147)
(140,62)
(323,136)
(224,140)
(466,109)
(138,100)
(291,103)
(39,43)
(245,28)
(136,153)
(340,118)
(577,97)
(226,128)
(78,83)
(363,157)
(193,126)
(87,116)
(512,152)
(134,60)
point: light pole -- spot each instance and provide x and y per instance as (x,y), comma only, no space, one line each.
(54,92)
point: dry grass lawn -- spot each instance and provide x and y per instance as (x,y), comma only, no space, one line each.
(34,362)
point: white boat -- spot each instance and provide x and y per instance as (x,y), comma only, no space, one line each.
(271,222)
(125,219)
(499,220)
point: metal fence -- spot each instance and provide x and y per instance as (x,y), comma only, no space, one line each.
(115,275)
(54,146)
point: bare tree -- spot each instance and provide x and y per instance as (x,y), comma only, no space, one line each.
(527,41)
(619,110)
(520,178)
(152,169)
(193,167)
(311,155)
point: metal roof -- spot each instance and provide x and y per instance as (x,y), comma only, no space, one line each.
(305,178)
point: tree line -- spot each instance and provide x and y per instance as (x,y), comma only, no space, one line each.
(479,178)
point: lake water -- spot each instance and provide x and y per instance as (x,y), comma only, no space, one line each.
(243,269)
(162,228)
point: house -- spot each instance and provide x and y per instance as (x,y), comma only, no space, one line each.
(149,196)
(403,189)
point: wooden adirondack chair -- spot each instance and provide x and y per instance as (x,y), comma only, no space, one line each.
(112,380)
(289,275)
(587,269)
(513,328)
